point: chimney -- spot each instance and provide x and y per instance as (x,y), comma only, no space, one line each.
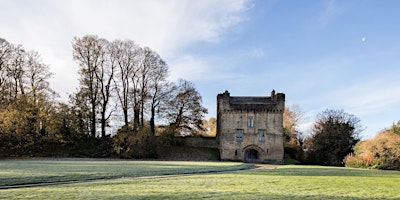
(273,95)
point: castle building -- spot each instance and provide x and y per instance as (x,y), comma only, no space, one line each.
(250,129)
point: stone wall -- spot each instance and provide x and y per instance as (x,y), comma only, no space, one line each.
(191,148)
(207,142)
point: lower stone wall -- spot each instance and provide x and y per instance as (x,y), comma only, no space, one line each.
(190,149)
(185,153)
(207,142)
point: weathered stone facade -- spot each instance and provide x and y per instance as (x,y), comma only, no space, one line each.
(250,129)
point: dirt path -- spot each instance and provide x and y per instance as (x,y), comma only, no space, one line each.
(265,166)
(256,167)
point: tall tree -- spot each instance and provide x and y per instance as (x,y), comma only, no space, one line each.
(159,88)
(90,52)
(125,54)
(185,111)
(147,65)
(334,135)
(135,91)
(104,76)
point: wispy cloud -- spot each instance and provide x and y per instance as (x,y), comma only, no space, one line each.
(329,11)
(168,27)
(364,99)
(368,98)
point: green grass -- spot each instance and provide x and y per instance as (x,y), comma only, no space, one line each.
(284,182)
(32,171)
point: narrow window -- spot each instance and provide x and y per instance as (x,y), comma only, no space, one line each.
(239,135)
(250,121)
(261,135)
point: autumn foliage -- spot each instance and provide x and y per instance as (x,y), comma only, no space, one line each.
(381,152)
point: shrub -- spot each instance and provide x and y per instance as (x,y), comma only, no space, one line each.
(381,152)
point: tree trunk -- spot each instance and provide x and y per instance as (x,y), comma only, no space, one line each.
(152,121)
(93,121)
(136,119)
(126,116)
(103,123)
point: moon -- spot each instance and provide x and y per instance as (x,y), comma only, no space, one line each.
(363,39)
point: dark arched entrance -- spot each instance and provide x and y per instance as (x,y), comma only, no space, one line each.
(251,155)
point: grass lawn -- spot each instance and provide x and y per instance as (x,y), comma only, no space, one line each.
(31,171)
(284,182)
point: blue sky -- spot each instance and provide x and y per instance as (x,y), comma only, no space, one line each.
(321,54)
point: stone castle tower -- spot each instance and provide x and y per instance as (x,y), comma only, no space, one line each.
(250,129)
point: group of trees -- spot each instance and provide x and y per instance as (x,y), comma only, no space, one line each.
(335,141)
(26,100)
(136,79)
(124,94)
(334,134)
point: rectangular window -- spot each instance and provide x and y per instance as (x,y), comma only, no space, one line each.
(250,121)
(261,135)
(239,135)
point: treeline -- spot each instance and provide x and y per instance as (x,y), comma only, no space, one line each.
(335,141)
(123,96)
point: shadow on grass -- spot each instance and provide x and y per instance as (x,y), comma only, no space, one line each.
(323,171)
(234,195)
(31,173)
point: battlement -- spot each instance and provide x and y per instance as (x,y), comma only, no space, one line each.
(273,103)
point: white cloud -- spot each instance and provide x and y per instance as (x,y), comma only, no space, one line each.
(168,27)
(330,10)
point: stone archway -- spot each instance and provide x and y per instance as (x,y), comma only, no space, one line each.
(251,155)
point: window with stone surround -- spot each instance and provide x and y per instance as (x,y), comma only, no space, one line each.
(239,135)
(250,121)
(261,135)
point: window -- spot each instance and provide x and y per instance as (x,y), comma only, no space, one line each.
(250,121)
(261,135)
(239,135)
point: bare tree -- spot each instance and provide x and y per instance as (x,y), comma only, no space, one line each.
(125,55)
(159,87)
(37,75)
(105,75)
(135,91)
(90,52)
(15,71)
(147,65)
(5,53)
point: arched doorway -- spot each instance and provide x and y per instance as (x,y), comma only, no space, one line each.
(251,155)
